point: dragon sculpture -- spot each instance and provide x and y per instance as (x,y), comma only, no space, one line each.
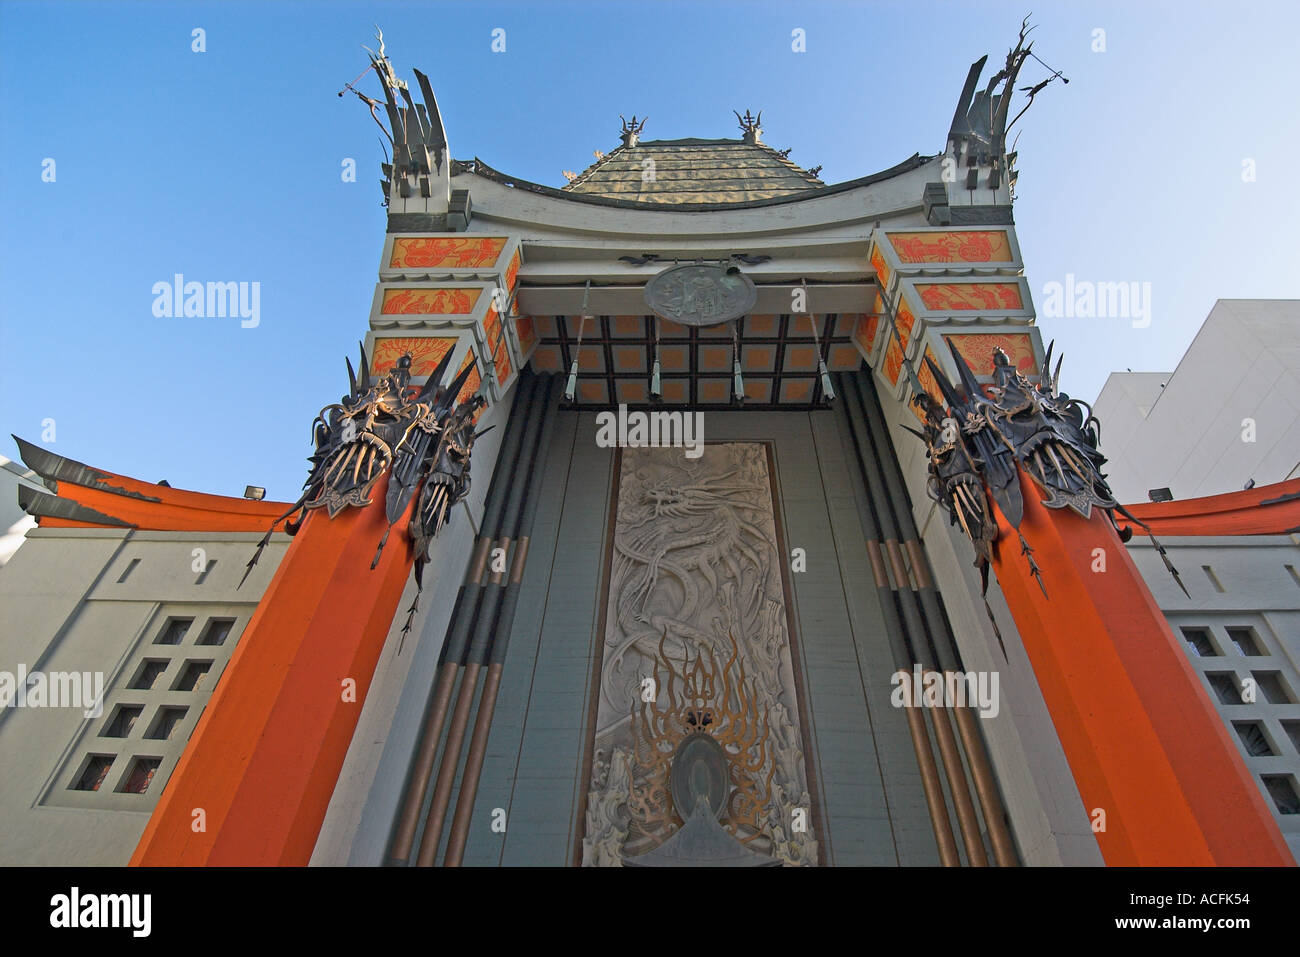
(978,445)
(423,437)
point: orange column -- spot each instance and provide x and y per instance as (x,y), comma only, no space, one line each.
(1144,742)
(266,755)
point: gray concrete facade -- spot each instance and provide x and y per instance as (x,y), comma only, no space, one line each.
(100,602)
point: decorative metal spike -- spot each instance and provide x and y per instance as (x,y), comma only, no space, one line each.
(656,390)
(739,383)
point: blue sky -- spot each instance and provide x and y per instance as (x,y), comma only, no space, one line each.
(225,165)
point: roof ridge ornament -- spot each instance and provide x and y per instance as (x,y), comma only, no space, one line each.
(751,127)
(420,165)
(631,130)
(982,119)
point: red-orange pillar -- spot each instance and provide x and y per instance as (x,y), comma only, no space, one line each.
(266,755)
(1144,743)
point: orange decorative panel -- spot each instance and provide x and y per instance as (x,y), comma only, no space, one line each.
(761,358)
(512,271)
(713,359)
(674,390)
(629,359)
(843,358)
(905,321)
(497,345)
(714,390)
(796,390)
(800,359)
(760,326)
(632,390)
(673,359)
(426,352)
(974,246)
(865,334)
(878,263)
(472,382)
(970,295)
(593,390)
(526,330)
(591,359)
(927,380)
(450,253)
(627,327)
(893,361)
(546,359)
(977,350)
(405,302)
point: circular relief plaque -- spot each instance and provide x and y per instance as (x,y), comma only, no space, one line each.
(701,294)
(700,769)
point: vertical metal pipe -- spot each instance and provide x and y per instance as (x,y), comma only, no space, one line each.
(912,619)
(496,652)
(945,643)
(436,714)
(455,643)
(903,658)
(489,604)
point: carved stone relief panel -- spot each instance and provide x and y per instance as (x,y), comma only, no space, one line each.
(696,642)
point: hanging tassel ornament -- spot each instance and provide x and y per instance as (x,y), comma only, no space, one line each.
(571,388)
(738,384)
(828,392)
(656,388)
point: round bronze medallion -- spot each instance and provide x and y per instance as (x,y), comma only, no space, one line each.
(701,294)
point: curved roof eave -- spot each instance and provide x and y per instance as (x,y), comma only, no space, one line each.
(478,168)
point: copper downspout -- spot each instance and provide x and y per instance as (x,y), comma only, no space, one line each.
(891,501)
(967,819)
(495,654)
(930,783)
(928,768)
(986,790)
(478,742)
(483,630)
(455,644)
(431,732)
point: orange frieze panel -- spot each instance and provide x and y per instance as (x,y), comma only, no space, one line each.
(905,321)
(878,264)
(928,383)
(448,253)
(998,296)
(893,361)
(512,271)
(977,350)
(472,382)
(406,302)
(865,334)
(497,345)
(426,352)
(526,330)
(974,246)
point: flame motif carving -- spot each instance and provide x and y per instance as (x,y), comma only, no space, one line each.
(699,696)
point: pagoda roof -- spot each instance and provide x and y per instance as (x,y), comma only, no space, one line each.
(693,171)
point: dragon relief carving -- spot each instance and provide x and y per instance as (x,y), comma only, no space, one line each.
(697,606)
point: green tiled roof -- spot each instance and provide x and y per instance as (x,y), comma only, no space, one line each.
(693,171)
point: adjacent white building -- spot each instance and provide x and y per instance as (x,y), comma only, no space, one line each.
(1228,414)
